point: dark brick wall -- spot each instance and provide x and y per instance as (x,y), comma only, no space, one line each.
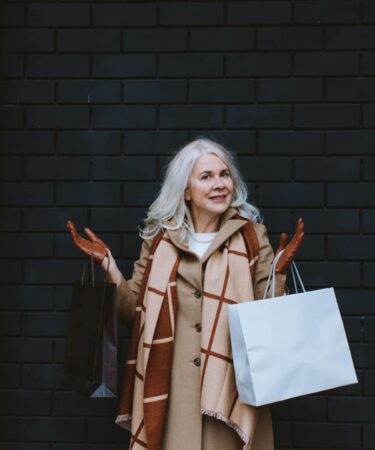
(96,95)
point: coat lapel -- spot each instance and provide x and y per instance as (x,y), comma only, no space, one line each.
(190,267)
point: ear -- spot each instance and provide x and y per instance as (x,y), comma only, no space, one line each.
(187,195)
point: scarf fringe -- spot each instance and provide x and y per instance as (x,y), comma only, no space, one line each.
(124,421)
(217,415)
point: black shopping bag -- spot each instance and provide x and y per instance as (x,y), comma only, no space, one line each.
(90,360)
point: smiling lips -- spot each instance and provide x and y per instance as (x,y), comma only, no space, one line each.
(218,198)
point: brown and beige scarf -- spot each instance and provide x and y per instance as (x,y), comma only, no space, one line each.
(228,279)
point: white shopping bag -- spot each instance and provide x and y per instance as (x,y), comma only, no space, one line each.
(289,346)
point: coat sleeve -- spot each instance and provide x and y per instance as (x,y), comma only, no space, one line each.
(128,290)
(266,255)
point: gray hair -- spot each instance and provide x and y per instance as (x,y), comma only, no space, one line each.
(170,202)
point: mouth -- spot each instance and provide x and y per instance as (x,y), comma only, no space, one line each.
(218,198)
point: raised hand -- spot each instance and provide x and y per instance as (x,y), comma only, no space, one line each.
(290,250)
(92,246)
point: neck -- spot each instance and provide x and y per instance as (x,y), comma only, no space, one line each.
(205,224)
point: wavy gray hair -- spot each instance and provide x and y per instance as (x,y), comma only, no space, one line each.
(170,202)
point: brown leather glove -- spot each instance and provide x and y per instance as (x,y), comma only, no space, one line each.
(95,246)
(290,250)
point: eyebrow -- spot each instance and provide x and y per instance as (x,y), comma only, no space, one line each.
(210,171)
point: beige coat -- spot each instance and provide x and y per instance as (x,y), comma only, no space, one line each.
(186,428)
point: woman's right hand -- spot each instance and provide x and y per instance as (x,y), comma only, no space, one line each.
(94,246)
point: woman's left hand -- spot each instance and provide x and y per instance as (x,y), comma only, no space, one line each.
(290,249)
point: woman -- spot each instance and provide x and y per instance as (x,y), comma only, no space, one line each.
(203,247)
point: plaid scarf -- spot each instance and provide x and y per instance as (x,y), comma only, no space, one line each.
(228,279)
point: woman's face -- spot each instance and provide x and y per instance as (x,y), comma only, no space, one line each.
(210,186)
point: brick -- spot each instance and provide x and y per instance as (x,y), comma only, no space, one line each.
(29,298)
(353,247)
(369,329)
(368,435)
(52,271)
(128,168)
(60,168)
(347,38)
(368,221)
(190,116)
(11,117)
(283,433)
(223,39)
(350,90)
(89,92)
(327,435)
(369,169)
(276,220)
(354,301)
(11,66)
(104,430)
(13,91)
(51,429)
(124,219)
(10,220)
(122,15)
(154,40)
(363,355)
(300,409)
(321,12)
(58,15)
(10,324)
(257,12)
(41,376)
(322,274)
(294,194)
(131,245)
(63,296)
(24,403)
(368,112)
(12,15)
(368,63)
(258,116)
(369,383)
(26,194)
(369,274)
(140,194)
(85,447)
(222,91)
(353,329)
(313,247)
(293,90)
(27,40)
(11,169)
(45,324)
(257,64)
(76,193)
(354,142)
(290,142)
(9,375)
(185,13)
(350,194)
(190,65)
(284,38)
(89,40)
(51,219)
(153,142)
(57,117)
(25,350)
(329,221)
(327,169)
(134,116)
(26,142)
(239,142)
(56,66)
(59,350)
(70,404)
(26,246)
(9,428)
(115,66)
(10,271)
(155,91)
(89,142)
(326,116)
(326,64)
(262,169)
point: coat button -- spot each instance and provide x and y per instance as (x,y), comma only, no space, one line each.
(198,327)
(197,362)
(197,294)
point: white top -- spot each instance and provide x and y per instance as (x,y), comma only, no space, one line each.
(200,247)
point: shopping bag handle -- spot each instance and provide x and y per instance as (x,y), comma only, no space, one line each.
(93,271)
(272,276)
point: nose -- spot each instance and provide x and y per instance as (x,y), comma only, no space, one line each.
(218,183)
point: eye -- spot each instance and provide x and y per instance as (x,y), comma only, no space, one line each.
(204,177)
(226,174)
